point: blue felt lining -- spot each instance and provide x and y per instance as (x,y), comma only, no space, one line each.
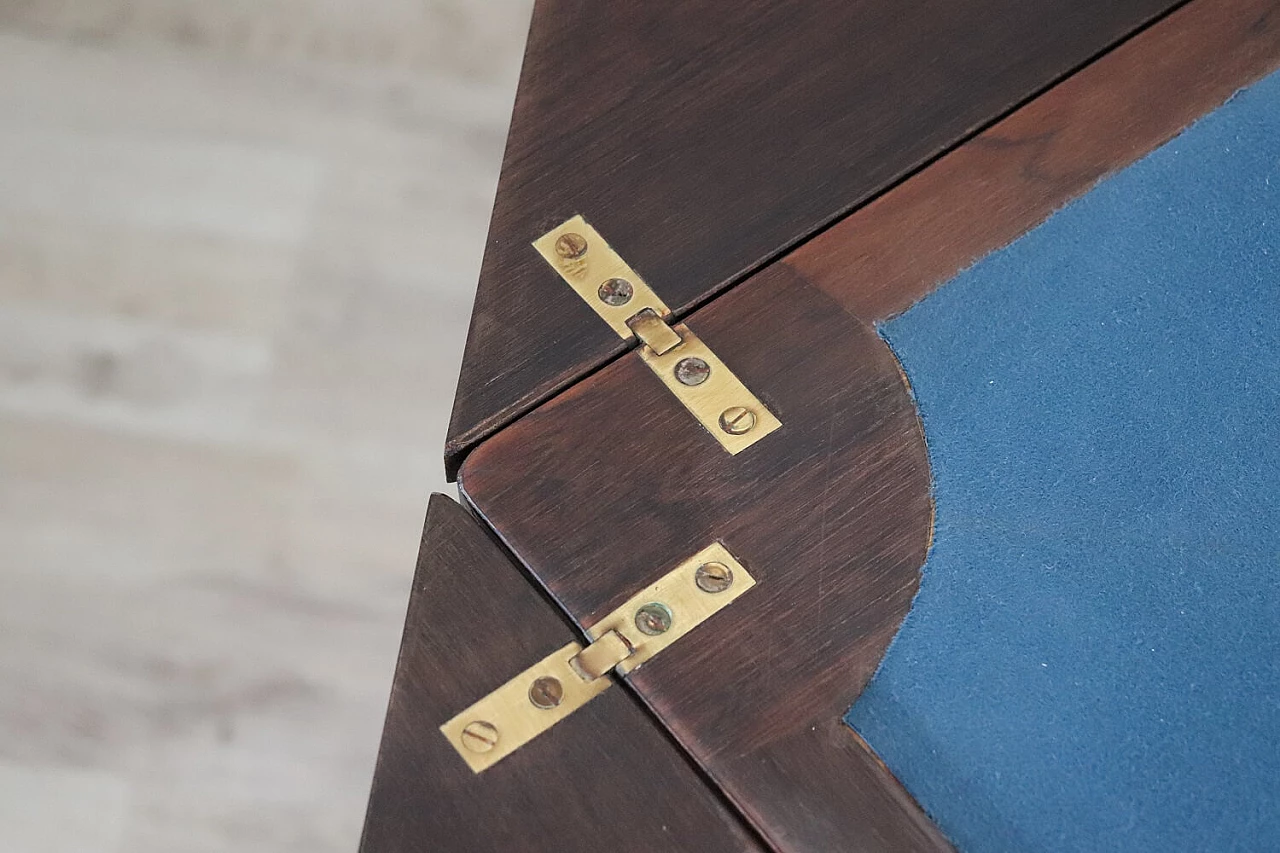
(1093,661)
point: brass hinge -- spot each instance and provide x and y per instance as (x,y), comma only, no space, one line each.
(699,380)
(564,681)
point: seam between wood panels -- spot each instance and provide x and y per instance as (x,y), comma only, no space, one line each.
(748,826)
(454,458)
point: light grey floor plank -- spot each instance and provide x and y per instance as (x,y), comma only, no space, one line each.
(238,243)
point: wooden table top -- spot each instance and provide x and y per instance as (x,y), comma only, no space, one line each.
(784,176)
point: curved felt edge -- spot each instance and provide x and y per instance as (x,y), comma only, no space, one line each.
(1093,661)
(830,514)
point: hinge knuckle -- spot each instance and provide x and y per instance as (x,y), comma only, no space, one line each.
(653,331)
(599,658)
(691,371)
(564,681)
(657,616)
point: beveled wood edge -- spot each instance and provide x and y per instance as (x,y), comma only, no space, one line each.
(1005,181)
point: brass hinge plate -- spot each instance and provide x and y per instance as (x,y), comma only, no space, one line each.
(721,403)
(585,261)
(702,383)
(561,683)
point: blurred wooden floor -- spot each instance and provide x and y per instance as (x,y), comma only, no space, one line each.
(238,243)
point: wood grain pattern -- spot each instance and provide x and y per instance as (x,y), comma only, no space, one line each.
(605,778)
(703,138)
(608,486)
(1005,181)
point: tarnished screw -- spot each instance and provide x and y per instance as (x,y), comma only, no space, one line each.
(616,291)
(653,619)
(570,246)
(713,577)
(692,371)
(546,692)
(480,736)
(737,420)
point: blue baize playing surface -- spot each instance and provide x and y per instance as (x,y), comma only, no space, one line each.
(1093,661)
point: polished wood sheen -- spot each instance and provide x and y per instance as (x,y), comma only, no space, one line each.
(703,138)
(605,488)
(605,778)
(1005,181)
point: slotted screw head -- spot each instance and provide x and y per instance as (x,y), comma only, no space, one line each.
(546,692)
(616,291)
(480,736)
(713,577)
(692,370)
(653,619)
(570,246)
(737,420)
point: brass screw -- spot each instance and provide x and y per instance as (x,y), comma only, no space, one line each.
(480,736)
(570,246)
(737,420)
(546,692)
(616,291)
(653,619)
(692,370)
(713,577)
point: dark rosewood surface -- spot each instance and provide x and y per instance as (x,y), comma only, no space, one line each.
(607,486)
(831,514)
(606,778)
(993,188)
(703,138)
